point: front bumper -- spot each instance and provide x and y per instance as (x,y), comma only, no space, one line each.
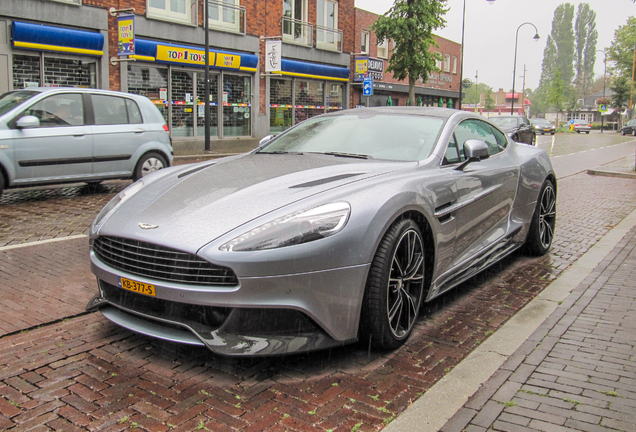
(261,316)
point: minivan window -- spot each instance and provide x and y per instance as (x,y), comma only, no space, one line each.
(10,100)
(109,110)
(59,110)
(134,115)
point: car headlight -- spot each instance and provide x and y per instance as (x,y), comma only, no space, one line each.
(293,229)
(114,204)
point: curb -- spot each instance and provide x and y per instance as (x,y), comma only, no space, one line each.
(432,411)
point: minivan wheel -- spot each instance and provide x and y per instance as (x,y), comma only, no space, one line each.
(150,162)
(1,182)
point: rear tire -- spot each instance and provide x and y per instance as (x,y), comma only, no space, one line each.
(587,132)
(394,288)
(634,132)
(1,182)
(150,162)
(541,231)
(622,132)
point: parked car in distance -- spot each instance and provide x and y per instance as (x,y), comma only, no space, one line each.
(518,128)
(333,231)
(629,128)
(581,126)
(62,134)
(543,126)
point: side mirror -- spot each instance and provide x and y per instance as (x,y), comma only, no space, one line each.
(265,140)
(474,150)
(28,122)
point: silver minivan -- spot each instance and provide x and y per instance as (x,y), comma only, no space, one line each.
(61,135)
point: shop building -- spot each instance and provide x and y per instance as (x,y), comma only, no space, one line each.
(73,43)
(441,89)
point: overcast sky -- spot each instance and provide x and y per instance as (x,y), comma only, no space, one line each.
(489,38)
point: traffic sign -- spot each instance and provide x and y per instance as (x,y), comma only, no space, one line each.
(466,83)
(602,108)
(367,86)
(572,121)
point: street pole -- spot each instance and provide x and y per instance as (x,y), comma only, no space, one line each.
(206,105)
(461,62)
(604,78)
(631,96)
(514,68)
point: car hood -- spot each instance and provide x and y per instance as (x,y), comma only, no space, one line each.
(192,207)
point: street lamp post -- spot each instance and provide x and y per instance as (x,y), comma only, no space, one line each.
(461,61)
(514,69)
(604,75)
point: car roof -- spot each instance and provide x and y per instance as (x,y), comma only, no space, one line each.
(443,113)
(45,90)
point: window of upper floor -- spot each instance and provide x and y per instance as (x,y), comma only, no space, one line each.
(455,65)
(226,15)
(383,49)
(447,62)
(296,29)
(77,2)
(183,11)
(364,45)
(327,34)
(438,61)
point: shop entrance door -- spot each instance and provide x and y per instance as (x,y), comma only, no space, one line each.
(182,107)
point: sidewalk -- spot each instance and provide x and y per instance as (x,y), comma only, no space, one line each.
(575,372)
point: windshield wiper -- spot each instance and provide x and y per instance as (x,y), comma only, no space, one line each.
(349,155)
(279,152)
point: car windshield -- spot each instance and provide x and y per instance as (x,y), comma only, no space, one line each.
(504,121)
(541,122)
(365,135)
(10,100)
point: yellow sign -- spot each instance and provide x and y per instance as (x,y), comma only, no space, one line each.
(361,66)
(126,35)
(228,61)
(182,55)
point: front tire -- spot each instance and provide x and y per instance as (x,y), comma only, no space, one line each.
(541,231)
(150,162)
(394,289)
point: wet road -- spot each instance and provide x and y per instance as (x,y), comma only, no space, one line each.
(84,373)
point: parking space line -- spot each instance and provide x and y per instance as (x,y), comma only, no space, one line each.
(40,242)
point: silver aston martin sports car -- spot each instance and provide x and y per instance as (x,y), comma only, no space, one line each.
(333,231)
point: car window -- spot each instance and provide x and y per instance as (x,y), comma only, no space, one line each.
(66,109)
(134,115)
(454,154)
(109,110)
(504,121)
(502,141)
(525,121)
(10,100)
(479,130)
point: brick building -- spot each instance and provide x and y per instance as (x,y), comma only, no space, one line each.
(441,89)
(73,43)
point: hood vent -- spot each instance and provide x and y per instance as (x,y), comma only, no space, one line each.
(325,180)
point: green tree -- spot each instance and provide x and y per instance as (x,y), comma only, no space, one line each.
(586,37)
(489,103)
(557,94)
(621,87)
(410,24)
(621,52)
(563,35)
(473,94)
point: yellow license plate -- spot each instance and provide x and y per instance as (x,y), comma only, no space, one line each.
(139,287)
(546,130)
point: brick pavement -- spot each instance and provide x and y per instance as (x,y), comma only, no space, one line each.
(87,374)
(577,372)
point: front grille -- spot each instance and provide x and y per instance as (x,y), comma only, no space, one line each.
(160,263)
(202,319)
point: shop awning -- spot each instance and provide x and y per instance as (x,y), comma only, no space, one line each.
(147,50)
(608,112)
(48,38)
(312,70)
(509,96)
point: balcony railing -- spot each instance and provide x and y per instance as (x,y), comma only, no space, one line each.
(297,31)
(226,16)
(328,38)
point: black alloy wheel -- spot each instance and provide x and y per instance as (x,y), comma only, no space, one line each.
(394,288)
(543,223)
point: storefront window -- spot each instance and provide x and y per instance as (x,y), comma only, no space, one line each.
(236,105)
(335,96)
(70,73)
(309,99)
(152,82)
(182,104)
(214,104)
(280,105)
(26,71)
